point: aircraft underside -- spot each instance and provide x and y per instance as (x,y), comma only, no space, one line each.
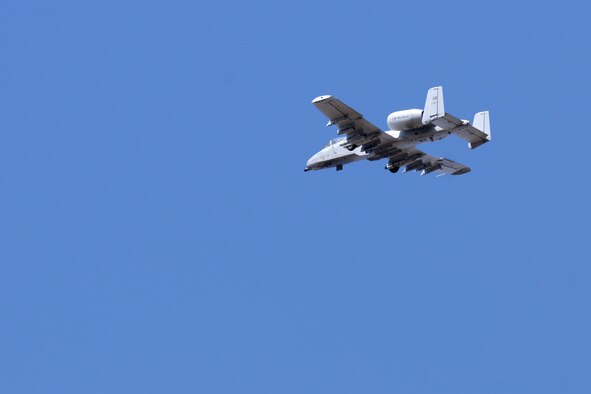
(361,140)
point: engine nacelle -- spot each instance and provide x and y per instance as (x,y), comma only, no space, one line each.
(405,120)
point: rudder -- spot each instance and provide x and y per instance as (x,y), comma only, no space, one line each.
(434,108)
(482,123)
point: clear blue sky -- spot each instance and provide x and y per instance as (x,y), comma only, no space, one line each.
(158,233)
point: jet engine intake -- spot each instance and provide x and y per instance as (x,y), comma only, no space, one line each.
(405,120)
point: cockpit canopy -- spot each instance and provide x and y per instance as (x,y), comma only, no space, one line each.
(334,141)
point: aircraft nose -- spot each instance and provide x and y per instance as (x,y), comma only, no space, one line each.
(310,163)
(314,162)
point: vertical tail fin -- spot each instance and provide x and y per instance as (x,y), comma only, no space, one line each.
(480,130)
(434,108)
(482,123)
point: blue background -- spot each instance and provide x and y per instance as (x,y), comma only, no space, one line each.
(158,233)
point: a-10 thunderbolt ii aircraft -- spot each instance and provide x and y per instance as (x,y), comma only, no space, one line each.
(362,140)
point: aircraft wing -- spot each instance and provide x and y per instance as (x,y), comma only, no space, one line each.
(349,121)
(417,160)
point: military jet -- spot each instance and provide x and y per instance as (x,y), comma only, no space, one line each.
(361,140)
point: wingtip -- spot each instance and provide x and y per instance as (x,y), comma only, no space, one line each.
(462,171)
(320,98)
